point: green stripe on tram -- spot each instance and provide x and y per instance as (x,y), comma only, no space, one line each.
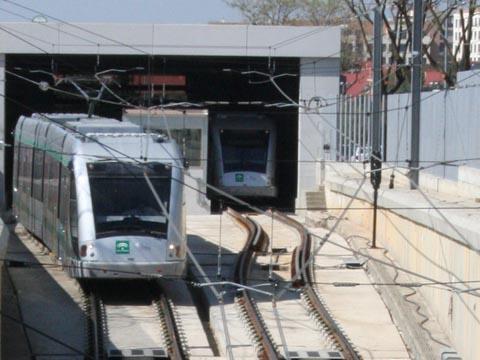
(62,158)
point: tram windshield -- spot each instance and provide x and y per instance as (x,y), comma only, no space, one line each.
(245,150)
(123,203)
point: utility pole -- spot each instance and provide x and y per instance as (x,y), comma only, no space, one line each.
(376,156)
(416,91)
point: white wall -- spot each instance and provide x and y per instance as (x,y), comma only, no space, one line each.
(319,78)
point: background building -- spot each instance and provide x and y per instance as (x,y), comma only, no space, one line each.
(475,35)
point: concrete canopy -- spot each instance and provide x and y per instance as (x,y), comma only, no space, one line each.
(317,48)
(163,39)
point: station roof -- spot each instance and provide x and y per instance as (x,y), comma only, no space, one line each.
(167,39)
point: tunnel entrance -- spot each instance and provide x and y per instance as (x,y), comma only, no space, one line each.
(218,84)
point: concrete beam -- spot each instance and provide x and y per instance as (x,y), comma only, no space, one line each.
(170,39)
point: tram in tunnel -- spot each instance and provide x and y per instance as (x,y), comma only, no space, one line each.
(267,169)
(244,147)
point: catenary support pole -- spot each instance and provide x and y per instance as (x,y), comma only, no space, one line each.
(376,155)
(416,91)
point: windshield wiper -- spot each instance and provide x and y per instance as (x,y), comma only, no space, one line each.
(131,219)
(129,231)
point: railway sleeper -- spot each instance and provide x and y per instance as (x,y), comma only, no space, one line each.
(174,337)
(337,338)
(256,327)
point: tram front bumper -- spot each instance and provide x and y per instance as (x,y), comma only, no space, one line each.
(129,270)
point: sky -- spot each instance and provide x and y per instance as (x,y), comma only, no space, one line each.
(149,11)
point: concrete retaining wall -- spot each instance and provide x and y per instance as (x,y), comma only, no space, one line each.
(422,242)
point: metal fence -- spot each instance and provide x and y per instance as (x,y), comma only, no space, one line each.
(449,129)
(354,124)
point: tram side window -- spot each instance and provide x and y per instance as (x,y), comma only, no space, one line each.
(47,206)
(38,174)
(54,183)
(73,212)
(16,161)
(24,169)
(31,158)
(28,169)
(21,161)
(64,198)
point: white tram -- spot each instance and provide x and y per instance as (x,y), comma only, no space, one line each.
(244,154)
(81,185)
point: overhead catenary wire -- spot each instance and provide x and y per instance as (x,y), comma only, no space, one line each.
(78,27)
(292,100)
(293,39)
(431,163)
(37,264)
(232,197)
(276,85)
(336,284)
(48,26)
(385,263)
(177,232)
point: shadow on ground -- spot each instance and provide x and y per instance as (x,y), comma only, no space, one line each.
(39,317)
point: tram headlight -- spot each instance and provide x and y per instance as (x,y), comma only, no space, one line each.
(171,250)
(176,251)
(85,248)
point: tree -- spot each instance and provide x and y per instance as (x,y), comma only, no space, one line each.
(291,12)
(398,24)
(304,12)
(267,12)
(356,16)
(324,12)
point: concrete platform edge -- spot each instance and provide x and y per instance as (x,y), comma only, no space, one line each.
(410,331)
(429,219)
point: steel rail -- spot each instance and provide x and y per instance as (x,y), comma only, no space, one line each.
(256,241)
(173,338)
(94,327)
(97,322)
(304,282)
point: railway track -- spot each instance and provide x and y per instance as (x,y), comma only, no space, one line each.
(110,319)
(132,320)
(256,241)
(303,279)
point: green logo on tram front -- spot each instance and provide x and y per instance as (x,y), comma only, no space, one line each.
(122,247)
(238,177)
